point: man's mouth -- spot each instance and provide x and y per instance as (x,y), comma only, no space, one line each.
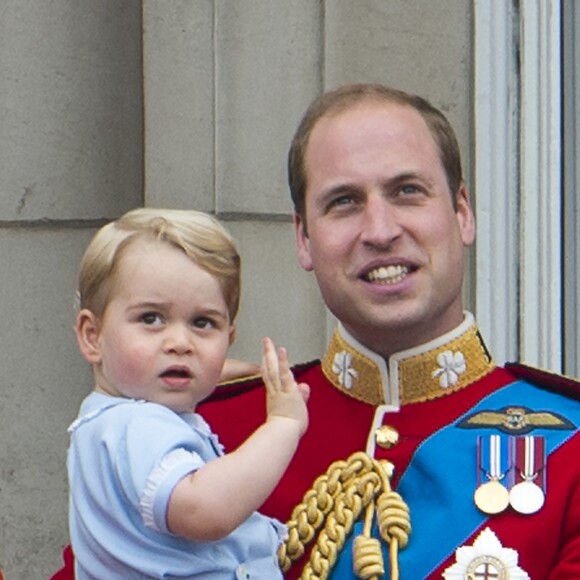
(387,274)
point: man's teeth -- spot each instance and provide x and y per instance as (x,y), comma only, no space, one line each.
(388,274)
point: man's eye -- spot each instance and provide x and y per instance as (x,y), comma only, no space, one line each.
(342,201)
(151,318)
(410,189)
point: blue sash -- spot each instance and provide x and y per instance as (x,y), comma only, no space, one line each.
(440,481)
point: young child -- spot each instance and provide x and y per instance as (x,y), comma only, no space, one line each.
(152,494)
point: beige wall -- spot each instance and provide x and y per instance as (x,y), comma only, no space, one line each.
(220,87)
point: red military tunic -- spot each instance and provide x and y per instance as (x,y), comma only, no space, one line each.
(421,394)
(439,398)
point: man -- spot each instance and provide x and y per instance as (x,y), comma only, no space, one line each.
(382,219)
(407,396)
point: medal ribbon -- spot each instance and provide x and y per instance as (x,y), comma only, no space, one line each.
(529,459)
(493,458)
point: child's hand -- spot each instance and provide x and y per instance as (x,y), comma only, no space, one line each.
(285,397)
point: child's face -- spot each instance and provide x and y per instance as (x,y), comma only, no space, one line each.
(165,332)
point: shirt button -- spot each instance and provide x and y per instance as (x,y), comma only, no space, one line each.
(386,436)
(242,573)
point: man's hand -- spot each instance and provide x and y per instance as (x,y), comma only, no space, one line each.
(235,369)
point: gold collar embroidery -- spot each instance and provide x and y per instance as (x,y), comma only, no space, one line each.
(433,370)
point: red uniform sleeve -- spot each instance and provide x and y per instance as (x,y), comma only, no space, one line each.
(67,571)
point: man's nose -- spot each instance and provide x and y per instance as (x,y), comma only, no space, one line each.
(381,224)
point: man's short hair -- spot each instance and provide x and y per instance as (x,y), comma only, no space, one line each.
(347,97)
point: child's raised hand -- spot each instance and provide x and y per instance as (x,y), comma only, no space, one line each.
(285,397)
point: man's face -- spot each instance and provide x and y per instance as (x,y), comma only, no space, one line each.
(384,240)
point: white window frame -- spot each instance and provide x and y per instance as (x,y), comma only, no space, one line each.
(518,179)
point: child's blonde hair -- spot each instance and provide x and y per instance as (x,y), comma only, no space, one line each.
(197,234)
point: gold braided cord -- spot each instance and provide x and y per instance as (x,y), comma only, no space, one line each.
(368,558)
(332,538)
(335,502)
(394,519)
(309,516)
(367,553)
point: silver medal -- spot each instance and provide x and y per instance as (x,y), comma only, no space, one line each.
(526,497)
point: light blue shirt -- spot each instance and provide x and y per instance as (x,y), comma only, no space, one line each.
(124,461)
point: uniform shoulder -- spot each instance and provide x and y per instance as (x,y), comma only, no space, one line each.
(544,379)
(239,386)
(300,369)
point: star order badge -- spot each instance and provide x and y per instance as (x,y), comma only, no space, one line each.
(485,559)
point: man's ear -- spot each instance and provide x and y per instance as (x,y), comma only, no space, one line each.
(232,334)
(302,243)
(87,331)
(465,217)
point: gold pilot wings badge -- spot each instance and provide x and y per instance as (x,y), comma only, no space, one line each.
(515,420)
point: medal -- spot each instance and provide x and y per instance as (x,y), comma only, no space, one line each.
(491,496)
(527,495)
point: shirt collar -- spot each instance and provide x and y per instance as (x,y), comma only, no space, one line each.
(434,369)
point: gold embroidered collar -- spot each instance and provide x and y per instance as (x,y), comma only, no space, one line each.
(435,369)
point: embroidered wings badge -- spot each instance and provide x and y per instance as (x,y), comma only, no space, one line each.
(516,420)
